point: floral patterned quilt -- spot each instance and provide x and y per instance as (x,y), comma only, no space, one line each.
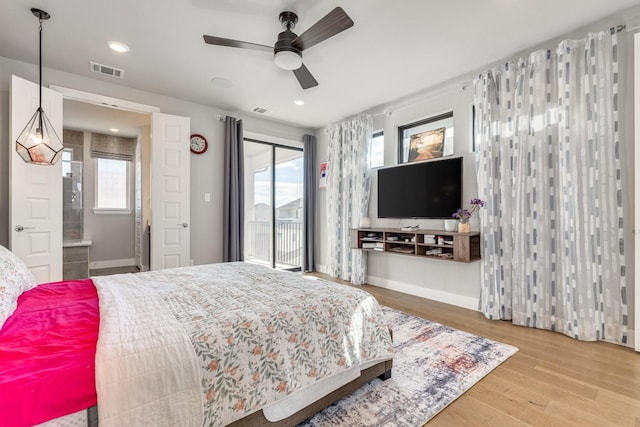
(228,339)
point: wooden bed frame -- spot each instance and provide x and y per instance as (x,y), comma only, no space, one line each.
(382,370)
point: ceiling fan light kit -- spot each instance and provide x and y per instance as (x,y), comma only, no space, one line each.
(288,48)
(288,60)
(285,55)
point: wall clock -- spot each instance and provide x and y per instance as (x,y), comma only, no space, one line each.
(198,144)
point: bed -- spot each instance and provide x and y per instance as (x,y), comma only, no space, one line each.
(220,344)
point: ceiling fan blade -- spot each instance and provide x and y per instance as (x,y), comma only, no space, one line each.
(305,78)
(236,43)
(331,24)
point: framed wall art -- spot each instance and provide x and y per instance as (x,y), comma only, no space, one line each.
(323,176)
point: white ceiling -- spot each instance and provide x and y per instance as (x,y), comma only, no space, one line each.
(395,48)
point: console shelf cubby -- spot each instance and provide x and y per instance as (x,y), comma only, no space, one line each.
(425,243)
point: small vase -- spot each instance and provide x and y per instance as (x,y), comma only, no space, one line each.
(365,222)
(450,224)
(464,227)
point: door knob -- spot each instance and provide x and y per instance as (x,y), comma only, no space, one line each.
(20,228)
(184,224)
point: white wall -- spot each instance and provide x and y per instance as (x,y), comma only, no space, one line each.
(112,235)
(451,282)
(206,169)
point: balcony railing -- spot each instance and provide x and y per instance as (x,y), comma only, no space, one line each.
(288,234)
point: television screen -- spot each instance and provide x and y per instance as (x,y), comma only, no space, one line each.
(431,189)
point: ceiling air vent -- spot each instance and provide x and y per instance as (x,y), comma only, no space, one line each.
(106,70)
(259,110)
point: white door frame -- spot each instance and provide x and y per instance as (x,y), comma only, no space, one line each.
(636,225)
(104,101)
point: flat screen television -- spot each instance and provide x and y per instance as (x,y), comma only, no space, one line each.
(430,189)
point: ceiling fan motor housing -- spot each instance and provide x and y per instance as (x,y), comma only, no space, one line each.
(283,49)
(286,38)
(285,42)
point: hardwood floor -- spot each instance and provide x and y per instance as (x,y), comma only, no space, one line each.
(552,380)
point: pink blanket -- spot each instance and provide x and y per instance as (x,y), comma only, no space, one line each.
(47,353)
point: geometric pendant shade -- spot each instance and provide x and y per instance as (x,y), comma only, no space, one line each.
(39,143)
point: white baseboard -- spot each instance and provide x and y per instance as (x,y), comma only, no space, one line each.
(322,269)
(631,339)
(112,263)
(432,294)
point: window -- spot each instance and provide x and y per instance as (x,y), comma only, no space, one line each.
(112,185)
(426,139)
(376,158)
(67,156)
(273,220)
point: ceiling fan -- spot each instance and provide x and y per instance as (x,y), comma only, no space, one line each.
(289,47)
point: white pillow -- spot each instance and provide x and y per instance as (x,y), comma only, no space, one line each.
(15,278)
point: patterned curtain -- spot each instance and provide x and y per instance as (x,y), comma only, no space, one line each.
(348,184)
(548,164)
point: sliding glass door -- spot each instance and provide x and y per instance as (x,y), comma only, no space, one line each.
(273,204)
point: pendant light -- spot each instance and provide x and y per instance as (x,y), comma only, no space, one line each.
(39,143)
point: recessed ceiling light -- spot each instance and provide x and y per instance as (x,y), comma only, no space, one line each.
(221,82)
(118,47)
(114,130)
(298,102)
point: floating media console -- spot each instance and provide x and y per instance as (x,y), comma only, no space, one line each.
(437,244)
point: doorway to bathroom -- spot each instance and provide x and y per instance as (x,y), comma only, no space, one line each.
(105,214)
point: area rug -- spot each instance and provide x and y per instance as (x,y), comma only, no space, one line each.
(434,365)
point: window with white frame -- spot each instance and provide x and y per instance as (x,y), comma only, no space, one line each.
(376,158)
(113,186)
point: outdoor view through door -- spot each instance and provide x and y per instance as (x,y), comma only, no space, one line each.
(273,204)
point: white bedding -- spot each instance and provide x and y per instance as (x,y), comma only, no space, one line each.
(211,344)
(77,419)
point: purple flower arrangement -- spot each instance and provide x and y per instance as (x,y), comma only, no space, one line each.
(465,214)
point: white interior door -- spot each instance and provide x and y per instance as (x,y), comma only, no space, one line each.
(170,182)
(35,191)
